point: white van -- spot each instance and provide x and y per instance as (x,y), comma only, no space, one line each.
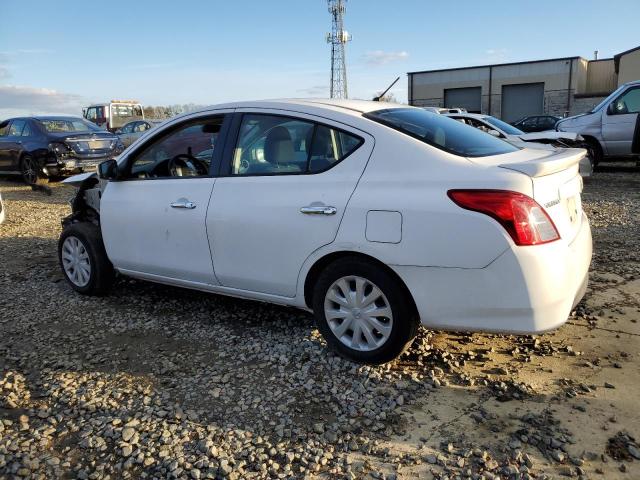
(114,114)
(612,128)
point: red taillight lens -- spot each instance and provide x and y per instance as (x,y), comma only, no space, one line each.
(520,215)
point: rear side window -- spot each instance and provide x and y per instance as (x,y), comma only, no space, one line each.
(442,132)
(273,144)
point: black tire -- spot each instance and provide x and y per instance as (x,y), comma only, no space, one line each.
(101,273)
(405,321)
(31,172)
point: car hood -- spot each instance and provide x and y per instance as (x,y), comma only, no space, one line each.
(76,180)
(550,135)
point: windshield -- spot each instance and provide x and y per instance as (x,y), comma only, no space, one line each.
(504,126)
(64,125)
(442,132)
(606,100)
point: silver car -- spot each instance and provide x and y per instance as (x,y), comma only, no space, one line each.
(612,128)
(131,131)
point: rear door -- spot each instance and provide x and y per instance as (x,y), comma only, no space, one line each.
(619,123)
(5,146)
(12,145)
(153,220)
(282,196)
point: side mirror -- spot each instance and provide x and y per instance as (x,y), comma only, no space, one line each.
(611,109)
(495,133)
(108,170)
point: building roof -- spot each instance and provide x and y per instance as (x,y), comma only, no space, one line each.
(496,65)
(616,58)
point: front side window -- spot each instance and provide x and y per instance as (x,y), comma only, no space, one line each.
(26,131)
(628,102)
(4,128)
(91,113)
(186,151)
(271,144)
(15,130)
(441,132)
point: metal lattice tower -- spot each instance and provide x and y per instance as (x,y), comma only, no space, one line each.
(337,38)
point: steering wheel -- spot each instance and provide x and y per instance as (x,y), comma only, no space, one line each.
(188,162)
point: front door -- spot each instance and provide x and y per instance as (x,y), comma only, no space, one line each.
(153,220)
(619,123)
(7,145)
(282,197)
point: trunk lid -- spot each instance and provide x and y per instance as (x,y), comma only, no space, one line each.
(557,185)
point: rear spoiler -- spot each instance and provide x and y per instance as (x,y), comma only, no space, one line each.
(555,162)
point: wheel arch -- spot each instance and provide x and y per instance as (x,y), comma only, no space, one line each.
(320,264)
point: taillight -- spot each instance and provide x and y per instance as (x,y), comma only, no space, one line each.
(520,215)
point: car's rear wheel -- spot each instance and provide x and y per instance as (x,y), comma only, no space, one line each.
(84,260)
(595,151)
(362,311)
(31,173)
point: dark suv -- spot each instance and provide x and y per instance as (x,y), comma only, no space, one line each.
(41,147)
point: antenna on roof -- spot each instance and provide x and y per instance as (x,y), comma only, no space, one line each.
(377,99)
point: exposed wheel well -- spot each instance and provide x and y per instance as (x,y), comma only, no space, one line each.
(320,265)
(599,152)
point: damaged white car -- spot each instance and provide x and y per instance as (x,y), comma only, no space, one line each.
(541,140)
(375,216)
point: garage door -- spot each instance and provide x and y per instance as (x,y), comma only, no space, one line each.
(468,98)
(522,100)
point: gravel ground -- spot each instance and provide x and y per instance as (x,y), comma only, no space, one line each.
(159,382)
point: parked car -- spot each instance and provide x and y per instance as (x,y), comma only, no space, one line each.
(41,147)
(114,114)
(612,128)
(537,123)
(538,140)
(373,215)
(130,132)
(2,214)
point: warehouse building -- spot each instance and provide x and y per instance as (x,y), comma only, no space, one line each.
(557,86)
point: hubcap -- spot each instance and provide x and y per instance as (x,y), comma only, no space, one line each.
(358,313)
(75,261)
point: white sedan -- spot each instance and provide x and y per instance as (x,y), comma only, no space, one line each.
(375,216)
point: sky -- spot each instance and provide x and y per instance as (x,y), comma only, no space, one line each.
(56,57)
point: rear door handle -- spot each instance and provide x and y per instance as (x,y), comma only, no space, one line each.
(318,210)
(183,203)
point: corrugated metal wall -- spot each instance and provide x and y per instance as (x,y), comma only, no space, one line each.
(601,76)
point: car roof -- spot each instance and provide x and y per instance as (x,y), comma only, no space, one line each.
(353,107)
(56,117)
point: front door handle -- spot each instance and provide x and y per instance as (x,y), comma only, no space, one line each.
(183,203)
(318,210)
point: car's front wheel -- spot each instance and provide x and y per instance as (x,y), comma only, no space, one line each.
(362,311)
(84,260)
(30,171)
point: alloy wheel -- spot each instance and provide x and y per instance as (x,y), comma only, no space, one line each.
(358,313)
(29,170)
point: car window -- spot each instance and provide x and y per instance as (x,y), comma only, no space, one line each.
(186,151)
(15,130)
(26,131)
(91,113)
(504,126)
(140,127)
(628,102)
(441,132)
(4,128)
(128,128)
(548,123)
(64,125)
(272,144)
(530,122)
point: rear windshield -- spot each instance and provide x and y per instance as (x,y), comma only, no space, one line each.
(118,110)
(442,132)
(504,126)
(68,125)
